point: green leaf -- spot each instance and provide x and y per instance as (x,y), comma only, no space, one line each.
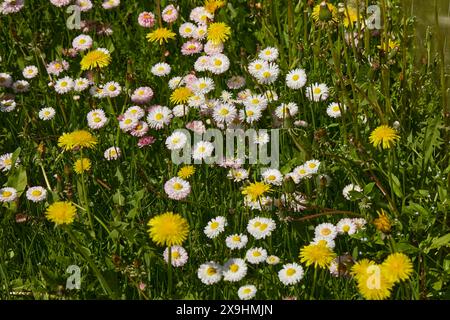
(440,242)
(396,186)
(18,180)
(368,188)
(430,141)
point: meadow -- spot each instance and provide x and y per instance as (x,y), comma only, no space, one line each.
(98,96)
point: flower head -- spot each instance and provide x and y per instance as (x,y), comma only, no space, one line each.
(77,139)
(382,223)
(384,136)
(256,190)
(318,254)
(180,95)
(82,165)
(61,212)
(186,172)
(168,229)
(95,59)
(218,32)
(325,12)
(161,35)
(397,267)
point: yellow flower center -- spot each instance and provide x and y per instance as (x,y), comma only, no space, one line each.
(6,194)
(234,267)
(295,77)
(255,101)
(211,271)
(36,193)
(263,226)
(271,177)
(202,149)
(177,186)
(128,121)
(258,66)
(246,291)
(290,272)
(236,238)
(112,88)
(8,161)
(325,232)
(159,116)
(218,62)
(336,108)
(224,112)
(266,74)
(250,113)
(188,30)
(346,228)
(214,225)
(175,255)
(82,41)
(256,253)
(317,90)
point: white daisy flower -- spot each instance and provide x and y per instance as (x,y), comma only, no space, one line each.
(312,166)
(202,86)
(260,204)
(256,255)
(247,292)
(196,100)
(202,150)
(5,80)
(268,54)
(271,96)
(329,242)
(317,92)
(187,30)
(346,225)
(348,188)
(236,241)
(82,42)
(260,227)
(85,5)
(158,117)
(215,227)
(334,111)
(175,82)
(21,86)
(291,274)
(237,175)
(30,72)
(96,119)
(226,96)
(286,110)
(212,48)
(8,194)
(128,123)
(219,63)
(202,63)
(80,84)
(234,270)
(200,15)
(255,67)
(135,112)
(140,130)
(236,82)
(261,138)
(299,173)
(112,89)
(210,273)
(250,114)
(326,230)
(142,95)
(268,75)
(36,194)
(64,85)
(177,188)
(272,260)
(179,256)
(177,140)
(224,113)
(272,176)
(359,223)
(161,69)
(112,153)
(6,162)
(46,113)
(7,105)
(180,110)
(296,79)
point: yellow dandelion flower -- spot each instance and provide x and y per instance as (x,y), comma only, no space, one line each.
(218,32)
(168,229)
(95,59)
(212,5)
(180,95)
(82,165)
(382,223)
(76,140)
(384,135)
(61,212)
(398,267)
(325,12)
(375,285)
(318,254)
(186,172)
(161,35)
(350,17)
(391,45)
(359,269)
(256,190)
